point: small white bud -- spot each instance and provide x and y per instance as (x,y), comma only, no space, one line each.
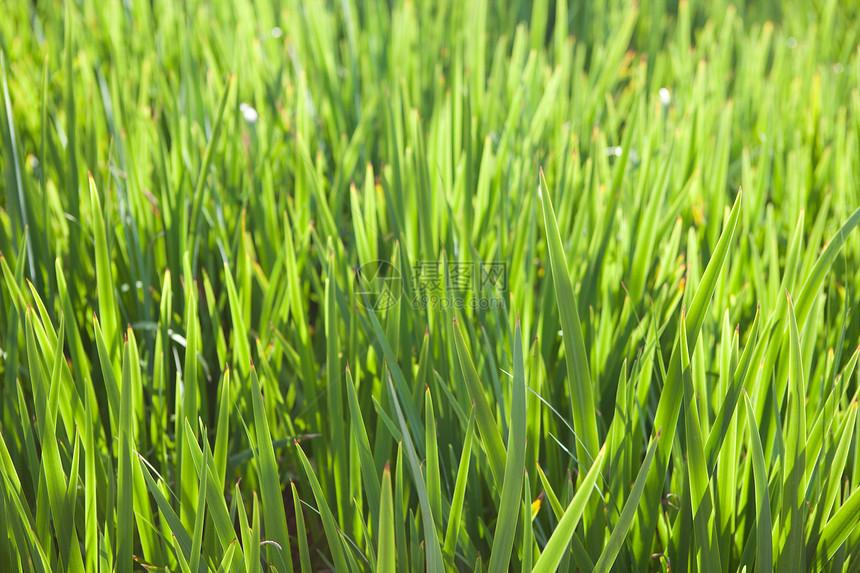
(249,112)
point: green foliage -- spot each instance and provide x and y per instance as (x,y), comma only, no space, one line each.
(195,376)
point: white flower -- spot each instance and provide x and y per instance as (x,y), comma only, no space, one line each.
(665,97)
(277,32)
(249,112)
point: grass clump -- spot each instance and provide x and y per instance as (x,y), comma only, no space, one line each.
(429,286)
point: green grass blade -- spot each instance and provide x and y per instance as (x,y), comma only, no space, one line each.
(125,499)
(301,532)
(386,553)
(453,528)
(433,551)
(333,536)
(510,501)
(490,434)
(561,536)
(274,517)
(578,373)
(764,544)
(625,520)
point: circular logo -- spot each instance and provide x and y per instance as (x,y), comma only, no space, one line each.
(377,285)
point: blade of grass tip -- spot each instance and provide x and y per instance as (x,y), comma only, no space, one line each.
(558,542)
(793,511)
(184,567)
(431,540)
(301,532)
(509,504)
(275,517)
(227,561)
(125,493)
(386,553)
(579,377)
(490,434)
(625,520)
(764,526)
(335,543)
(450,546)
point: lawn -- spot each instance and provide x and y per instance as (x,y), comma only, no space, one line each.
(391,285)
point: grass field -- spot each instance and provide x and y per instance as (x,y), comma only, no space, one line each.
(354,285)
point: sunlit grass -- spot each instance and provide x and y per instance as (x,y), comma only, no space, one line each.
(619,264)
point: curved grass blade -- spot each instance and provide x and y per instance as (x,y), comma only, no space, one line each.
(625,520)
(332,534)
(556,547)
(365,457)
(576,358)
(490,434)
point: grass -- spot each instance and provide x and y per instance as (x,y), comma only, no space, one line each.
(603,319)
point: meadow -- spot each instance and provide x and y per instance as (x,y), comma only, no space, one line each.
(392,285)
